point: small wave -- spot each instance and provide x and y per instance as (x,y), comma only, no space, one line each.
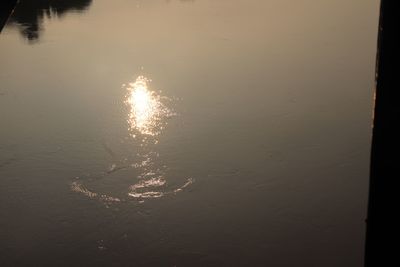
(154,183)
(79,188)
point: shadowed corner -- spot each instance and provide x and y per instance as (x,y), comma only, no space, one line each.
(28,15)
(382,230)
(6,7)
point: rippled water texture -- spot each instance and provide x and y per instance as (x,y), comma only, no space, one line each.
(147,117)
(186,133)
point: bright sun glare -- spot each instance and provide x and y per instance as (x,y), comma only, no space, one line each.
(146,110)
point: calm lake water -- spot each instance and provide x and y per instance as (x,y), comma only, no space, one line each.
(186,133)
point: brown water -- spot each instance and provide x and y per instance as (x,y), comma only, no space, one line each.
(186,133)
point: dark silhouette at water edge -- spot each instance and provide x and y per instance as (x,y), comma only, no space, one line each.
(382,229)
(6,8)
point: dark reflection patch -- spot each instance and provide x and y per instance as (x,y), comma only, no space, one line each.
(29,14)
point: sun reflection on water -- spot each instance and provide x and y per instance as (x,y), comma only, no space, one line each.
(147,112)
(147,116)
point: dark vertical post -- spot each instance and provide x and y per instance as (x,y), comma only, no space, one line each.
(6,6)
(382,239)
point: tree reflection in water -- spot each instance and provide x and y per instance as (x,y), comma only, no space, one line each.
(29,14)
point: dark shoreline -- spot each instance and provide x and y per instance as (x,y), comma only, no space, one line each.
(382,228)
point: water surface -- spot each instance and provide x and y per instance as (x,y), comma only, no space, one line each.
(186,133)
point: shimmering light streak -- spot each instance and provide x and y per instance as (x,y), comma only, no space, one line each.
(147,113)
(147,116)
